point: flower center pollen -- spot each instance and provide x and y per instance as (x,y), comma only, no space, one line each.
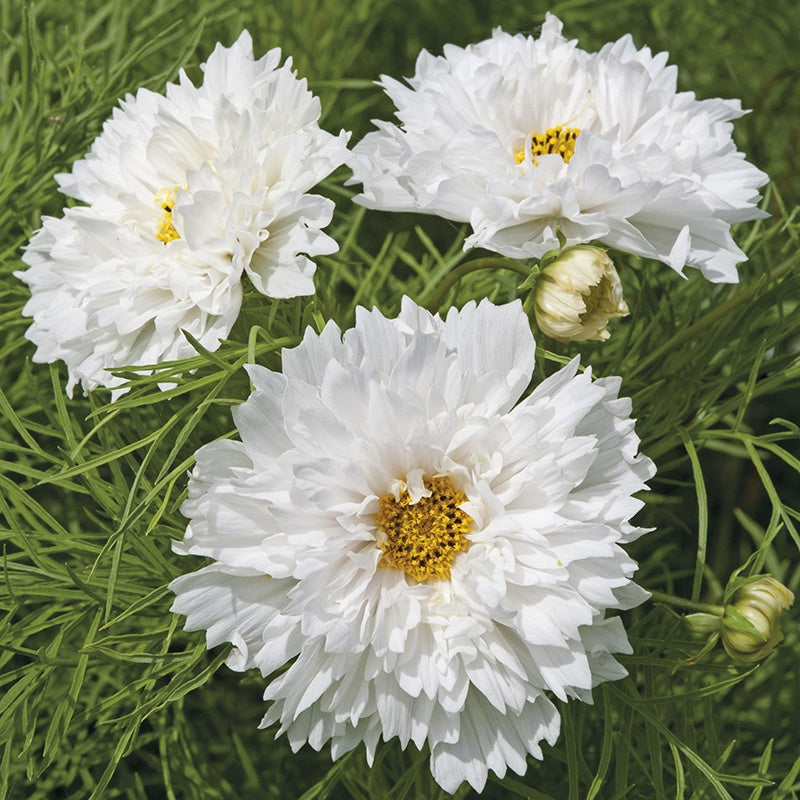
(423,538)
(166,201)
(558,140)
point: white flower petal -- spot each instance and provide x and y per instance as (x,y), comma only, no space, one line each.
(492,740)
(242,607)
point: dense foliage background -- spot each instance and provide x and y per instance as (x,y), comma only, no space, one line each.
(103,694)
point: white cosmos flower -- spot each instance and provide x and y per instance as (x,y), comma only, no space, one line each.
(525,137)
(185,192)
(433,555)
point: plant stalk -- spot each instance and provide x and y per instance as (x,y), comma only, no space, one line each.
(466,268)
(681,602)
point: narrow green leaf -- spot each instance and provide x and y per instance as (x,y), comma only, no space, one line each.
(702,513)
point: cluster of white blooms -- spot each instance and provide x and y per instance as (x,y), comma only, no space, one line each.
(425,546)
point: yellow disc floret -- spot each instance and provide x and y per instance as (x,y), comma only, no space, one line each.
(166,201)
(558,140)
(423,538)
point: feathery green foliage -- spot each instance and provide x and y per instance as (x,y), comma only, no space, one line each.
(104,696)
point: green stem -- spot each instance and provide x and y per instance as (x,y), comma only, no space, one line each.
(476,264)
(680,602)
(709,319)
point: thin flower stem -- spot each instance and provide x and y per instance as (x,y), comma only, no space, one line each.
(681,602)
(476,264)
(709,319)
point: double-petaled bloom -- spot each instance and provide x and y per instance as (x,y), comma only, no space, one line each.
(528,139)
(432,554)
(184,194)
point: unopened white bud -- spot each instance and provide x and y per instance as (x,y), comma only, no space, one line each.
(577,295)
(750,629)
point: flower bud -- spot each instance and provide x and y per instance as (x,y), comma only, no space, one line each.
(750,629)
(577,294)
(702,622)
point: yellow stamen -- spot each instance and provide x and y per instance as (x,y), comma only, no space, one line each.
(166,201)
(423,538)
(558,140)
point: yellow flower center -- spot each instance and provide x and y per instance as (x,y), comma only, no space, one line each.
(423,538)
(558,140)
(166,201)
